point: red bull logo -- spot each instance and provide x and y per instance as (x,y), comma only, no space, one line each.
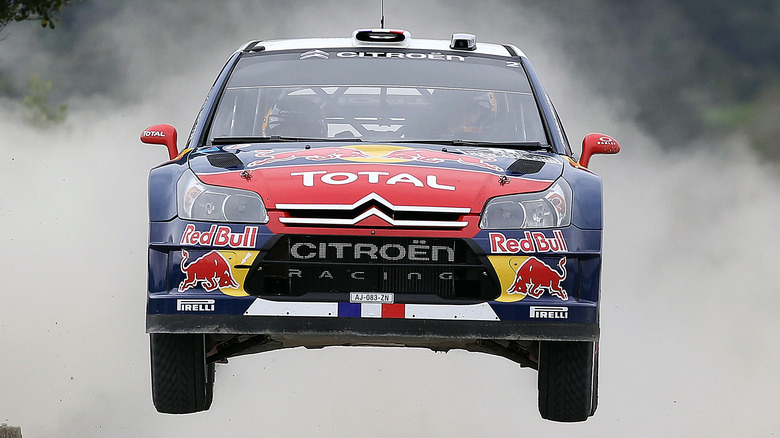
(531,242)
(219,236)
(435,157)
(316,154)
(375,154)
(211,271)
(534,277)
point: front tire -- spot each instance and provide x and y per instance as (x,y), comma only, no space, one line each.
(182,382)
(567,380)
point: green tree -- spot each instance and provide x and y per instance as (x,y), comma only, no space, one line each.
(47,11)
(38,110)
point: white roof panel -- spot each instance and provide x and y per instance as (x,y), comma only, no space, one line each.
(414,44)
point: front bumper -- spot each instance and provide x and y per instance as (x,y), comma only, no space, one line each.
(371,331)
(546,286)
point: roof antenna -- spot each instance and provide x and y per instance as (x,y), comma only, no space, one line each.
(382,20)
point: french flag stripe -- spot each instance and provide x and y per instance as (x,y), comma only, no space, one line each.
(393,310)
(349,310)
(371,310)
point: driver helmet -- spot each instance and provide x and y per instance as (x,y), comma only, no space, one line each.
(295,117)
(465,112)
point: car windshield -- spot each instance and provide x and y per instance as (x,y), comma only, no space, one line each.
(398,96)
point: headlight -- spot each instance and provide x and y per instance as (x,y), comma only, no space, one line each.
(198,201)
(550,208)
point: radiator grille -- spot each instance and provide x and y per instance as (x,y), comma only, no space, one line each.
(297,265)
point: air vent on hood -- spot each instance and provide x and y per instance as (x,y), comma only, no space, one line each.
(525,167)
(225,160)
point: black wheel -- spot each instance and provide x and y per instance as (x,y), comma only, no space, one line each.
(595,381)
(567,380)
(212,372)
(182,382)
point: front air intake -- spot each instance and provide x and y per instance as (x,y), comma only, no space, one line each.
(525,167)
(414,269)
(225,160)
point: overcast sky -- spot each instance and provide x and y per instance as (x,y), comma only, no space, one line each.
(689,341)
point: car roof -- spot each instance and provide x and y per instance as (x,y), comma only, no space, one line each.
(409,44)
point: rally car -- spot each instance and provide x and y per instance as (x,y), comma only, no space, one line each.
(376,190)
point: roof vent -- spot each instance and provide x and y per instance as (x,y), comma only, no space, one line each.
(393,37)
(463,41)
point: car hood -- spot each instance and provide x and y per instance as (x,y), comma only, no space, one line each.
(344,174)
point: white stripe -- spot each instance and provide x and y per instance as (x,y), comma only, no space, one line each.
(470,312)
(263,307)
(371,310)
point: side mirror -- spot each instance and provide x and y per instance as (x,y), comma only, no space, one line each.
(162,134)
(594,144)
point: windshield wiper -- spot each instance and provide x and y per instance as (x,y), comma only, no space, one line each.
(525,145)
(273,138)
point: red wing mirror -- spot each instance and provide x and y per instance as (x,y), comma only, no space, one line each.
(162,134)
(594,144)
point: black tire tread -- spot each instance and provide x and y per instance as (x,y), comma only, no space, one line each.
(566,381)
(182,383)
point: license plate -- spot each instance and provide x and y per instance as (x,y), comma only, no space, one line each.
(371,297)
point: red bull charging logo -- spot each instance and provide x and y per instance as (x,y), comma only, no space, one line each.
(534,277)
(211,271)
(375,154)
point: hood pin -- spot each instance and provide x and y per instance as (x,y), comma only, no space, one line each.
(246,174)
(503,179)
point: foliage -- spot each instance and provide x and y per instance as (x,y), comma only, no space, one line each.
(47,11)
(684,70)
(38,110)
(746,30)
(688,70)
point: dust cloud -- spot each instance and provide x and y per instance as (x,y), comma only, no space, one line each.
(689,319)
